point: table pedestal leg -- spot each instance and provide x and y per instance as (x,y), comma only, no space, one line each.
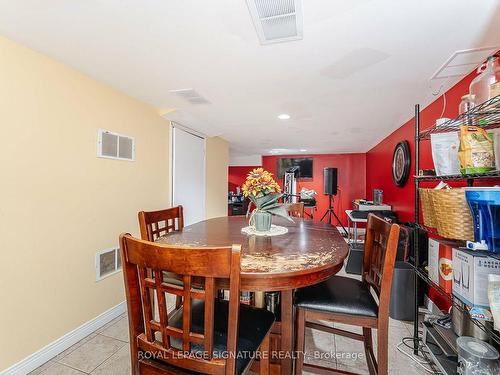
(287,331)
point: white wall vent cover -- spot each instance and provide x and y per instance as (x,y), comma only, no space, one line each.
(115,146)
(190,95)
(277,20)
(107,263)
(462,62)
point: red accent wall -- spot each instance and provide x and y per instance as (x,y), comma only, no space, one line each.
(351,179)
(379,158)
(237,175)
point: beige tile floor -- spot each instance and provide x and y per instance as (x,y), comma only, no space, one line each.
(106,352)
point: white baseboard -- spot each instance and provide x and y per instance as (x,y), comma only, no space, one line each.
(56,347)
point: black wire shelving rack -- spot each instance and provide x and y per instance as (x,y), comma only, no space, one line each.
(486,115)
(473,176)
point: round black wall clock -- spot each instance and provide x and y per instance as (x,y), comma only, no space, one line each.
(401,163)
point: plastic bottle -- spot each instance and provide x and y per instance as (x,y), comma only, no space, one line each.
(468,102)
(489,74)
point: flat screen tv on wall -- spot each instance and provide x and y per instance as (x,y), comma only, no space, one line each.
(305,166)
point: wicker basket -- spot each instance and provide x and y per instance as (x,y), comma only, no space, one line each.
(428,211)
(453,217)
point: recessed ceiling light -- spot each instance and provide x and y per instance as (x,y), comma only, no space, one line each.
(284,116)
(303,150)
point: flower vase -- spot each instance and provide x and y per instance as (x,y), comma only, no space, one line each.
(261,220)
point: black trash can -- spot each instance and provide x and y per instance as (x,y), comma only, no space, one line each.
(403,292)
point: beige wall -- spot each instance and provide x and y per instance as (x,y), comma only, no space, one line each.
(217,162)
(59,203)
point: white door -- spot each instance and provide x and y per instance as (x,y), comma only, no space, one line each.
(188,174)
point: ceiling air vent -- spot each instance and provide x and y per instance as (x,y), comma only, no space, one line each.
(276,20)
(190,95)
(463,62)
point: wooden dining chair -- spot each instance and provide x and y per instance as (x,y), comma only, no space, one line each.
(349,301)
(204,335)
(154,224)
(295,209)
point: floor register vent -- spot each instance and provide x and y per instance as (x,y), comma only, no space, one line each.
(107,263)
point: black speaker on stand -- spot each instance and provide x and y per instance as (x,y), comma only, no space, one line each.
(330,189)
(330,181)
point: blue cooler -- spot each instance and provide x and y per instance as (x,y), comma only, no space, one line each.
(484,203)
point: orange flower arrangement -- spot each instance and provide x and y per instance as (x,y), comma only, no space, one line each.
(259,183)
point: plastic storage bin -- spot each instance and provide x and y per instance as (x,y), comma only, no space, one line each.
(476,357)
(484,203)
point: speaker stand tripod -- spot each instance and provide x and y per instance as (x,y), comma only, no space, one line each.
(330,212)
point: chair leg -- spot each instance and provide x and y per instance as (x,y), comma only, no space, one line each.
(300,332)
(134,359)
(382,350)
(368,344)
(264,356)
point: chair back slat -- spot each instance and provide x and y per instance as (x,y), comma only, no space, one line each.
(146,262)
(186,318)
(209,317)
(145,283)
(154,224)
(234,308)
(162,310)
(380,254)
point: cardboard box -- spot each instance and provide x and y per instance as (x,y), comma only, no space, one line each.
(440,263)
(470,280)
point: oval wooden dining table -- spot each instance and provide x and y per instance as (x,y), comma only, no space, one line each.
(309,253)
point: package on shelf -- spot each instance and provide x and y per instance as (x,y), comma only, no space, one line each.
(494,134)
(444,147)
(440,263)
(470,280)
(495,89)
(476,153)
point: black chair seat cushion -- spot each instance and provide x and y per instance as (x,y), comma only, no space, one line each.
(254,324)
(340,295)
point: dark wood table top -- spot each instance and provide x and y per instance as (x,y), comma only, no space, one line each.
(309,247)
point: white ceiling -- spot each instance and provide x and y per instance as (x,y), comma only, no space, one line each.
(349,82)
